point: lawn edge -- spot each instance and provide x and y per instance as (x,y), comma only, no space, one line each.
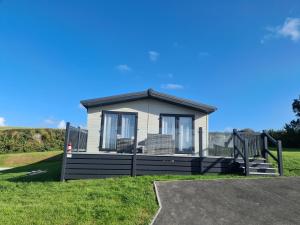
(158,201)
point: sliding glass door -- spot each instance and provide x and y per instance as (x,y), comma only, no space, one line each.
(185,134)
(118,131)
(127,126)
(168,126)
(181,129)
(110,131)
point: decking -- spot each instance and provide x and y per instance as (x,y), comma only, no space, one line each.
(246,154)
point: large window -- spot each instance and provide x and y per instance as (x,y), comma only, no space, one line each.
(182,130)
(168,125)
(185,134)
(110,131)
(118,131)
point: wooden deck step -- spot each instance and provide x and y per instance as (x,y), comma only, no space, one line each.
(263,174)
(261,165)
(260,169)
(252,160)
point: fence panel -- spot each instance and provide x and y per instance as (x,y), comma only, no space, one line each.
(78,139)
(220,144)
(255,143)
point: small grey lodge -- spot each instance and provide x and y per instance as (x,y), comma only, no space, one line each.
(170,123)
(150,132)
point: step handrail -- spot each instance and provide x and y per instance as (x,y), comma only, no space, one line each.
(235,133)
(267,137)
(245,156)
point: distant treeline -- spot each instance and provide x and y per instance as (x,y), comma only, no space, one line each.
(290,139)
(31,140)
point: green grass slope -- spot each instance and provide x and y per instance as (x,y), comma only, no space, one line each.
(14,140)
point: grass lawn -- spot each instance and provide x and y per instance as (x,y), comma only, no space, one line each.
(291,161)
(42,199)
(20,159)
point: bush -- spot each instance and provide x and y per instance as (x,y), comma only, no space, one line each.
(290,139)
(31,140)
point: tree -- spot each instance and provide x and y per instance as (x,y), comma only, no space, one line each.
(294,125)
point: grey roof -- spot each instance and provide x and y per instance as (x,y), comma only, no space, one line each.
(150,93)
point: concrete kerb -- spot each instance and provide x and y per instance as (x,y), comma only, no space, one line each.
(158,200)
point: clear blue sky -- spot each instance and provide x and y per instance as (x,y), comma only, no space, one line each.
(240,56)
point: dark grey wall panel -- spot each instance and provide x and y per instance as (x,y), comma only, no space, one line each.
(88,166)
(99,161)
(98,172)
(99,166)
(169,168)
(94,176)
(213,160)
(218,170)
(101,156)
(150,172)
(175,158)
(168,163)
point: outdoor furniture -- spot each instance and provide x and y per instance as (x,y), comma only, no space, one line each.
(125,145)
(160,144)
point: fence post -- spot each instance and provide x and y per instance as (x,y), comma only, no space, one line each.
(133,169)
(200,142)
(133,172)
(78,139)
(234,143)
(201,149)
(265,148)
(279,156)
(246,157)
(63,167)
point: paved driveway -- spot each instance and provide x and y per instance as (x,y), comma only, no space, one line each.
(273,201)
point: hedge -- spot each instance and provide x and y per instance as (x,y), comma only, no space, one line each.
(31,140)
(290,139)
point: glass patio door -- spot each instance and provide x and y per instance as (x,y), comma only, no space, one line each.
(181,129)
(127,126)
(168,126)
(110,131)
(117,126)
(185,134)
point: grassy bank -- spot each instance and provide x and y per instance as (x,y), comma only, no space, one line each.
(41,199)
(17,140)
